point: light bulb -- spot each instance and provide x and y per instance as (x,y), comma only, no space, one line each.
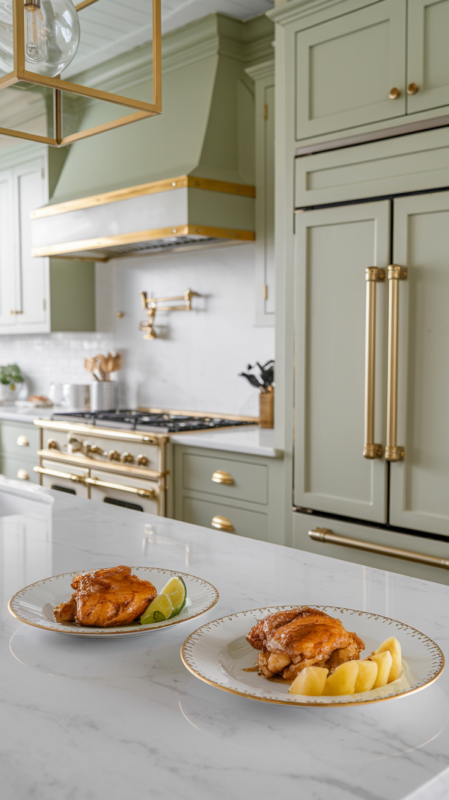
(36,49)
(52,35)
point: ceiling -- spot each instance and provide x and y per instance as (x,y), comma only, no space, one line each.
(111,27)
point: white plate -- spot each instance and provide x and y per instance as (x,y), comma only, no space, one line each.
(35,603)
(219,654)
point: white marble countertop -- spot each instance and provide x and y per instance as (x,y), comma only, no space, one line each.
(14,414)
(105,719)
(253,440)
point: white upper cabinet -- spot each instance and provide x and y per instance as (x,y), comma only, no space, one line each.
(24,280)
(31,290)
(347,69)
(427,54)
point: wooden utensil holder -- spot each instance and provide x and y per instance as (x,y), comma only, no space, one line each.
(266,408)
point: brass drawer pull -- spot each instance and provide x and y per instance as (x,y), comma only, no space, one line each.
(328,537)
(22,441)
(149,494)
(394,93)
(23,475)
(221,476)
(395,274)
(372,276)
(412,88)
(54,473)
(222,524)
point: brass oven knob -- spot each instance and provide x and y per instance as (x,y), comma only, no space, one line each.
(22,441)
(74,445)
(95,449)
(412,88)
(23,475)
(394,93)
(52,444)
(142,461)
(114,455)
(127,458)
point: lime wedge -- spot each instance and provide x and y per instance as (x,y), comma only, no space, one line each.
(177,592)
(160,609)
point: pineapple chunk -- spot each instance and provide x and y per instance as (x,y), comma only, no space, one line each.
(384,662)
(366,677)
(343,679)
(393,647)
(310,681)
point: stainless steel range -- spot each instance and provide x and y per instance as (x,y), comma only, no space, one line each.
(118,457)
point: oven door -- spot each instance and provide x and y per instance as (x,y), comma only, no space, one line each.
(63,478)
(124,491)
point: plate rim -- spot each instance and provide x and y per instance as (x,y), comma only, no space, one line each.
(98,632)
(339,704)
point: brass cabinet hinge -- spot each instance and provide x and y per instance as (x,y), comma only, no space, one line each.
(265,291)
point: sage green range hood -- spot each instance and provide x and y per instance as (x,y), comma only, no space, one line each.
(183,179)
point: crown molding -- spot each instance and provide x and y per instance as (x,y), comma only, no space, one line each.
(298,9)
(261,71)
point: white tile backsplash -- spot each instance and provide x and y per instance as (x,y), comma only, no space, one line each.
(194,364)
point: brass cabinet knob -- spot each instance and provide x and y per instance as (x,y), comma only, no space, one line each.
(52,444)
(127,458)
(114,455)
(412,88)
(142,461)
(221,476)
(22,441)
(394,93)
(222,524)
(23,475)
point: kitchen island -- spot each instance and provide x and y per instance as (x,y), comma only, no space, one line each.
(107,719)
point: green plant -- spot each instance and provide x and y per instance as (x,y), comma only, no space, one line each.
(10,374)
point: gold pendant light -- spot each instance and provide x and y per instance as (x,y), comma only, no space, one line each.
(38,40)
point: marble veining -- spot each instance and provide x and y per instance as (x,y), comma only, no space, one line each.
(89,719)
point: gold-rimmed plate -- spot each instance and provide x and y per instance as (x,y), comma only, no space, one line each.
(34,604)
(219,654)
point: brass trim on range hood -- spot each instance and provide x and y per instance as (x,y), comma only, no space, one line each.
(167,185)
(122,239)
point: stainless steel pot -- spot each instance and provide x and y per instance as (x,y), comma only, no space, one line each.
(103,396)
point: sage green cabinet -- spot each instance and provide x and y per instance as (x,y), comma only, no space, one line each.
(427,54)
(333,248)
(247,498)
(19,443)
(377,536)
(419,484)
(346,67)
(37,295)
(263,76)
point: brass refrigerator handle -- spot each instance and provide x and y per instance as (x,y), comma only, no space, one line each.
(53,473)
(149,494)
(328,537)
(395,274)
(373,275)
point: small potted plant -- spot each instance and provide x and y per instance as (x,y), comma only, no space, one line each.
(11,380)
(265,383)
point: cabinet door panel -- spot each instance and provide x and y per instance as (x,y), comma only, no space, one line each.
(32,275)
(346,67)
(419,496)
(427,56)
(6,252)
(333,249)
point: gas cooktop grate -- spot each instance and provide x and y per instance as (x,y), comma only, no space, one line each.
(148,421)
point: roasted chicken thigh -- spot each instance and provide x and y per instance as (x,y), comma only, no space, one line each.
(106,597)
(302,637)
